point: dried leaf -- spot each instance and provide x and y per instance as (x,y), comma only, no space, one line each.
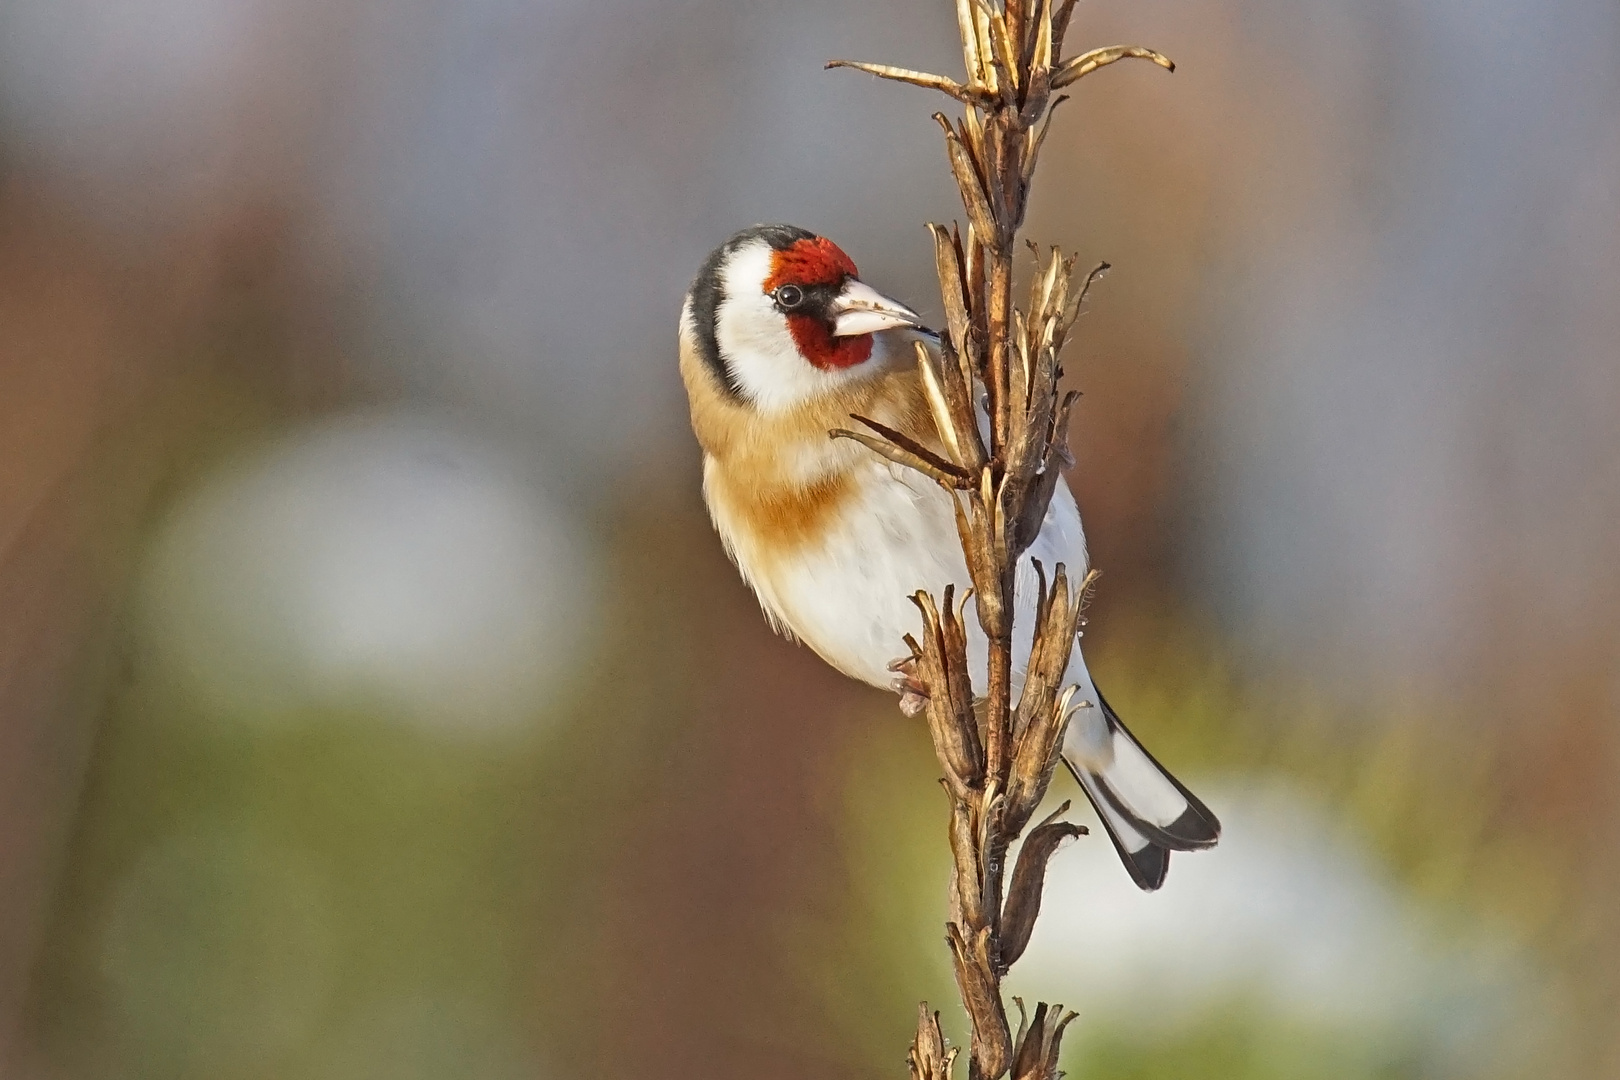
(951,725)
(1060,27)
(1002,51)
(937,469)
(912,446)
(955,376)
(1038,497)
(977,279)
(1056,269)
(967,27)
(948,266)
(1040,1043)
(954,627)
(1018,379)
(1023,1026)
(1015,14)
(981,994)
(968,181)
(1041,54)
(1096,275)
(995,49)
(981,34)
(1057,620)
(1048,662)
(1029,877)
(1092,278)
(1036,754)
(970,129)
(967,884)
(968,95)
(1038,76)
(1086,63)
(929,1060)
(938,406)
(1026,456)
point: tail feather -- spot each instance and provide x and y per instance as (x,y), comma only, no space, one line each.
(1148,812)
(1145,861)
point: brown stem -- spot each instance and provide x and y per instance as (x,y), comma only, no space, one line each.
(1000,319)
(998,763)
(999,695)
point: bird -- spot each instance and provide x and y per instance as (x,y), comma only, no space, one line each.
(781,341)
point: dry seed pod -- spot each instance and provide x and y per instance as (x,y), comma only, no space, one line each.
(980,986)
(929,1059)
(1039,1041)
(1005,366)
(1029,878)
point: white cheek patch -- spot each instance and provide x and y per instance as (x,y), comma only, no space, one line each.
(755,342)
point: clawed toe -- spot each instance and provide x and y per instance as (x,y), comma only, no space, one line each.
(913,694)
(912,702)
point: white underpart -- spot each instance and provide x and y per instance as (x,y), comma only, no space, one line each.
(849,599)
(758,348)
(849,602)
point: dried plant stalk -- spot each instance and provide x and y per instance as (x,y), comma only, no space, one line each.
(997,757)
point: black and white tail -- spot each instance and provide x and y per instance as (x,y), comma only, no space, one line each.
(1147,812)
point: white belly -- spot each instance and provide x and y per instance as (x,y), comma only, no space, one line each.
(850,599)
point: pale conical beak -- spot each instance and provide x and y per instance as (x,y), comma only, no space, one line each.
(861,309)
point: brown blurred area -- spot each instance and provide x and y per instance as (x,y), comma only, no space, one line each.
(112,370)
(1348,457)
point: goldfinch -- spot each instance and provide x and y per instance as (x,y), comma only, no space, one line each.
(781,341)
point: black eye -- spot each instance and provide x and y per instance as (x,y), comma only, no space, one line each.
(789,296)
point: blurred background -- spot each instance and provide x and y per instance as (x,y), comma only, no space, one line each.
(375,700)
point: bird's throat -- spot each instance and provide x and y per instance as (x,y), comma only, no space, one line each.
(816,344)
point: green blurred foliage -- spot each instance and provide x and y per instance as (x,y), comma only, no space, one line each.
(1234,1041)
(224,877)
(1430,817)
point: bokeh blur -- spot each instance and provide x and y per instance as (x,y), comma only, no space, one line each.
(375,701)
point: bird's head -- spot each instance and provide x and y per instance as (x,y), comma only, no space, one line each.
(780,317)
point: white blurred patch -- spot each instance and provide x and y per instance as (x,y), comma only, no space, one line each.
(1287,911)
(219,947)
(388,565)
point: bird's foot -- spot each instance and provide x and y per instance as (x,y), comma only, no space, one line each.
(913,694)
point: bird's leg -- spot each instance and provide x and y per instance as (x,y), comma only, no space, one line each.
(913,694)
